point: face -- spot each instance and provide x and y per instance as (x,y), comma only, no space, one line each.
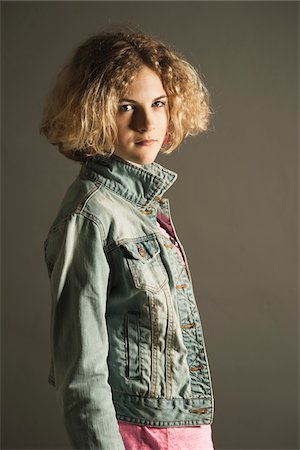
(142,119)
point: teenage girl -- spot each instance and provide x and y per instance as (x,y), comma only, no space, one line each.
(128,358)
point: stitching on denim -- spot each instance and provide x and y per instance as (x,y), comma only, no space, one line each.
(207,420)
(146,397)
(117,243)
(125,349)
(127,346)
(154,346)
(142,359)
(169,345)
(88,196)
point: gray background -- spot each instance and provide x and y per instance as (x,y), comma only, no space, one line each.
(234,205)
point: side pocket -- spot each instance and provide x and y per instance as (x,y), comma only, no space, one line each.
(132,345)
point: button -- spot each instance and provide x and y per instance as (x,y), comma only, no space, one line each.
(141,251)
(194,369)
(199,411)
(189,325)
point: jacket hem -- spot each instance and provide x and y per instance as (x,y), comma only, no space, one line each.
(162,423)
(154,411)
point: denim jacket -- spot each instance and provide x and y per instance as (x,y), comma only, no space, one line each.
(126,336)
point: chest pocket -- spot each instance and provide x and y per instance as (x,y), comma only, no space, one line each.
(145,264)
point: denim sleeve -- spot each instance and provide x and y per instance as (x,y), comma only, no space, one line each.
(79,275)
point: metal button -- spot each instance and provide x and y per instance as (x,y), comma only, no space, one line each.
(189,325)
(199,411)
(194,369)
(141,251)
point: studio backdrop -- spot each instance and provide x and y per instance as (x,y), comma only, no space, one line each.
(235,206)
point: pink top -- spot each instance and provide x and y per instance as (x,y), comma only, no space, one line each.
(166,229)
(142,437)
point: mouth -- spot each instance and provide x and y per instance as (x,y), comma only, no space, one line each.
(146,142)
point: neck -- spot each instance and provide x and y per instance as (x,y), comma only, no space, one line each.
(134,163)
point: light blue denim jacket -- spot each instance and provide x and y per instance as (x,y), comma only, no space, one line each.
(126,337)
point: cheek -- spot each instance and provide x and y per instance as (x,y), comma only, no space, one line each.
(163,124)
(164,117)
(121,130)
(124,124)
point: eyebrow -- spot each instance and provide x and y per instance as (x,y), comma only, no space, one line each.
(133,101)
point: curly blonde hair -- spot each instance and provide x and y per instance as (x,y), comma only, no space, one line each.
(80,112)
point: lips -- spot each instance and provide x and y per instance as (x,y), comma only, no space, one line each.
(146,142)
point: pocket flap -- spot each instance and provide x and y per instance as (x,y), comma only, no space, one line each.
(143,249)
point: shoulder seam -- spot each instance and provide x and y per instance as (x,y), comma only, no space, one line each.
(80,209)
(88,196)
(94,219)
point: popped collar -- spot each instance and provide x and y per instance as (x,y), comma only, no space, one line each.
(139,185)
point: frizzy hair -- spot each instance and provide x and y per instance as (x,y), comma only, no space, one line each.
(81,108)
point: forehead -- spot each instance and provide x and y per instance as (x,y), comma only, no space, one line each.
(144,84)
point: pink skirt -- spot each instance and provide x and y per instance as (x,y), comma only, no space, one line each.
(140,437)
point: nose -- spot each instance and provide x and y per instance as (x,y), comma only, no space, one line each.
(144,121)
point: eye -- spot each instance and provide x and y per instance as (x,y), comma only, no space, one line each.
(159,103)
(126,107)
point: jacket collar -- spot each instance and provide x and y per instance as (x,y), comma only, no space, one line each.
(139,185)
